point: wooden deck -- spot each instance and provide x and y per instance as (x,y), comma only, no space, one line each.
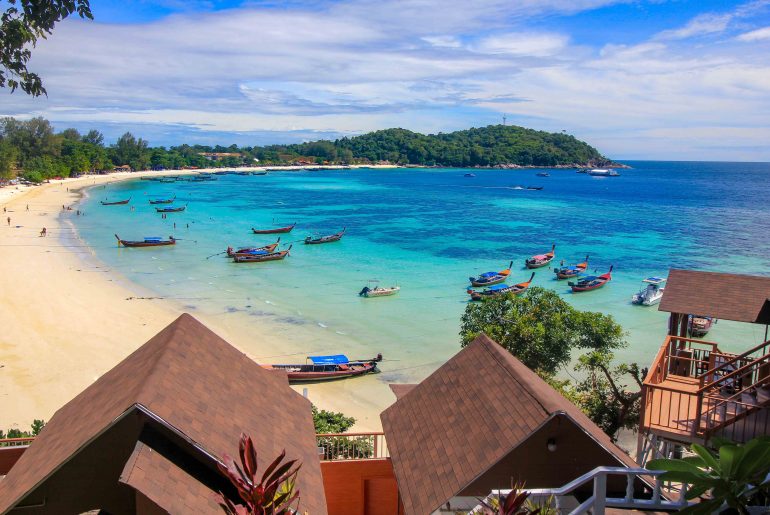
(672,407)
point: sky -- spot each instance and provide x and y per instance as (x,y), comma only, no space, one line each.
(637,79)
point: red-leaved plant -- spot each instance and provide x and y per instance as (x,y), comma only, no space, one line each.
(272,495)
(513,504)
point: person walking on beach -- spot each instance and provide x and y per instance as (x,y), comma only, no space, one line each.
(9,221)
(43,233)
(27,207)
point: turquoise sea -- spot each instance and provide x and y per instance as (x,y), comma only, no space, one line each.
(428,230)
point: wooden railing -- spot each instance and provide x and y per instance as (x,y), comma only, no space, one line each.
(708,392)
(15,442)
(352,446)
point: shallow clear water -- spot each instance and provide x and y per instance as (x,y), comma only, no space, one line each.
(427,231)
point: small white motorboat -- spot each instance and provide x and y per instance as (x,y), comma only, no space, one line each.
(603,172)
(651,292)
(374,290)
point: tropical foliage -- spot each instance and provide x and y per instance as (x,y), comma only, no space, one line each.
(34,430)
(515,503)
(330,422)
(22,24)
(543,331)
(272,494)
(736,475)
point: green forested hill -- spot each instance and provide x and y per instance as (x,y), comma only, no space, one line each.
(485,146)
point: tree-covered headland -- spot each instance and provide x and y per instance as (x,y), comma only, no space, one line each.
(34,150)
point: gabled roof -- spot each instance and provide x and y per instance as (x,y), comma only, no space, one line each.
(742,298)
(399,390)
(465,417)
(197,384)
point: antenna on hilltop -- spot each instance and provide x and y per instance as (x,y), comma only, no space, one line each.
(505,118)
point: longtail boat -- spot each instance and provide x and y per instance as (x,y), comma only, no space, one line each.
(116,203)
(324,239)
(266,249)
(327,368)
(490,278)
(501,289)
(259,173)
(258,258)
(591,282)
(541,260)
(570,271)
(279,230)
(699,326)
(149,241)
(373,289)
(163,200)
(171,209)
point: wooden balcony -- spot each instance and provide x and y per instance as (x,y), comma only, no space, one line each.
(694,391)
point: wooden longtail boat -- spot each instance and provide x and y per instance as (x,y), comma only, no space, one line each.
(163,200)
(541,260)
(324,239)
(279,230)
(501,289)
(171,209)
(327,368)
(117,203)
(570,271)
(592,282)
(266,249)
(699,326)
(490,278)
(153,241)
(258,258)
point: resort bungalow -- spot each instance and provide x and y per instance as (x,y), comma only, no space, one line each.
(122,168)
(146,437)
(695,389)
(482,422)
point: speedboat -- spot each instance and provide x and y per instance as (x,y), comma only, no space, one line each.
(650,293)
(603,172)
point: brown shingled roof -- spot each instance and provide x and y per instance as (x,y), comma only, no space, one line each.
(197,384)
(465,417)
(743,298)
(399,390)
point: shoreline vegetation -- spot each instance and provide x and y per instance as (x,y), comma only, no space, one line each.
(33,151)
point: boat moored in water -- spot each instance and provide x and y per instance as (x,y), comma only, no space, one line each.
(279,230)
(325,239)
(373,289)
(501,289)
(603,172)
(265,249)
(541,260)
(650,293)
(490,278)
(258,257)
(171,209)
(327,368)
(591,282)
(148,241)
(543,174)
(570,271)
(116,203)
(469,175)
(164,200)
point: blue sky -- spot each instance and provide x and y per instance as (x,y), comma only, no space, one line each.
(638,79)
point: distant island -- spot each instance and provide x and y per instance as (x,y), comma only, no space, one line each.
(31,149)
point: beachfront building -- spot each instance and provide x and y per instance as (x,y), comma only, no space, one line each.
(146,436)
(695,390)
(218,156)
(122,168)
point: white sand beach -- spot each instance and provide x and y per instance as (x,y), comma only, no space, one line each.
(66,319)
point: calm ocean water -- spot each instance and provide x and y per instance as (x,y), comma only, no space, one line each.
(427,231)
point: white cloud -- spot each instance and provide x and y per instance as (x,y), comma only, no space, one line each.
(521,44)
(703,24)
(755,35)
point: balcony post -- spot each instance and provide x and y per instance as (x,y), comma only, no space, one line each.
(600,494)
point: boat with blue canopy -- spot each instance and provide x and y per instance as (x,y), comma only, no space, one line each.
(490,278)
(148,241)
(327,368)
(570,271)
(501,289)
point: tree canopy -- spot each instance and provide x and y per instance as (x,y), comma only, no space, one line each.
(543,330)
(21,25)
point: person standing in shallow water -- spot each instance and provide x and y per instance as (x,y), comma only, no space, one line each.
(9,221)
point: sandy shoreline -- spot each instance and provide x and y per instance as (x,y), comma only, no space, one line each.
(67,318)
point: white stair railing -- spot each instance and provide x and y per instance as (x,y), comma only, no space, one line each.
(598,501)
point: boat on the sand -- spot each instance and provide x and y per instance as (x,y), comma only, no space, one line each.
(327,368)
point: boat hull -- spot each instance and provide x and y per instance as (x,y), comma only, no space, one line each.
(382,292)
(537,264)
(280,230)
(576,288)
